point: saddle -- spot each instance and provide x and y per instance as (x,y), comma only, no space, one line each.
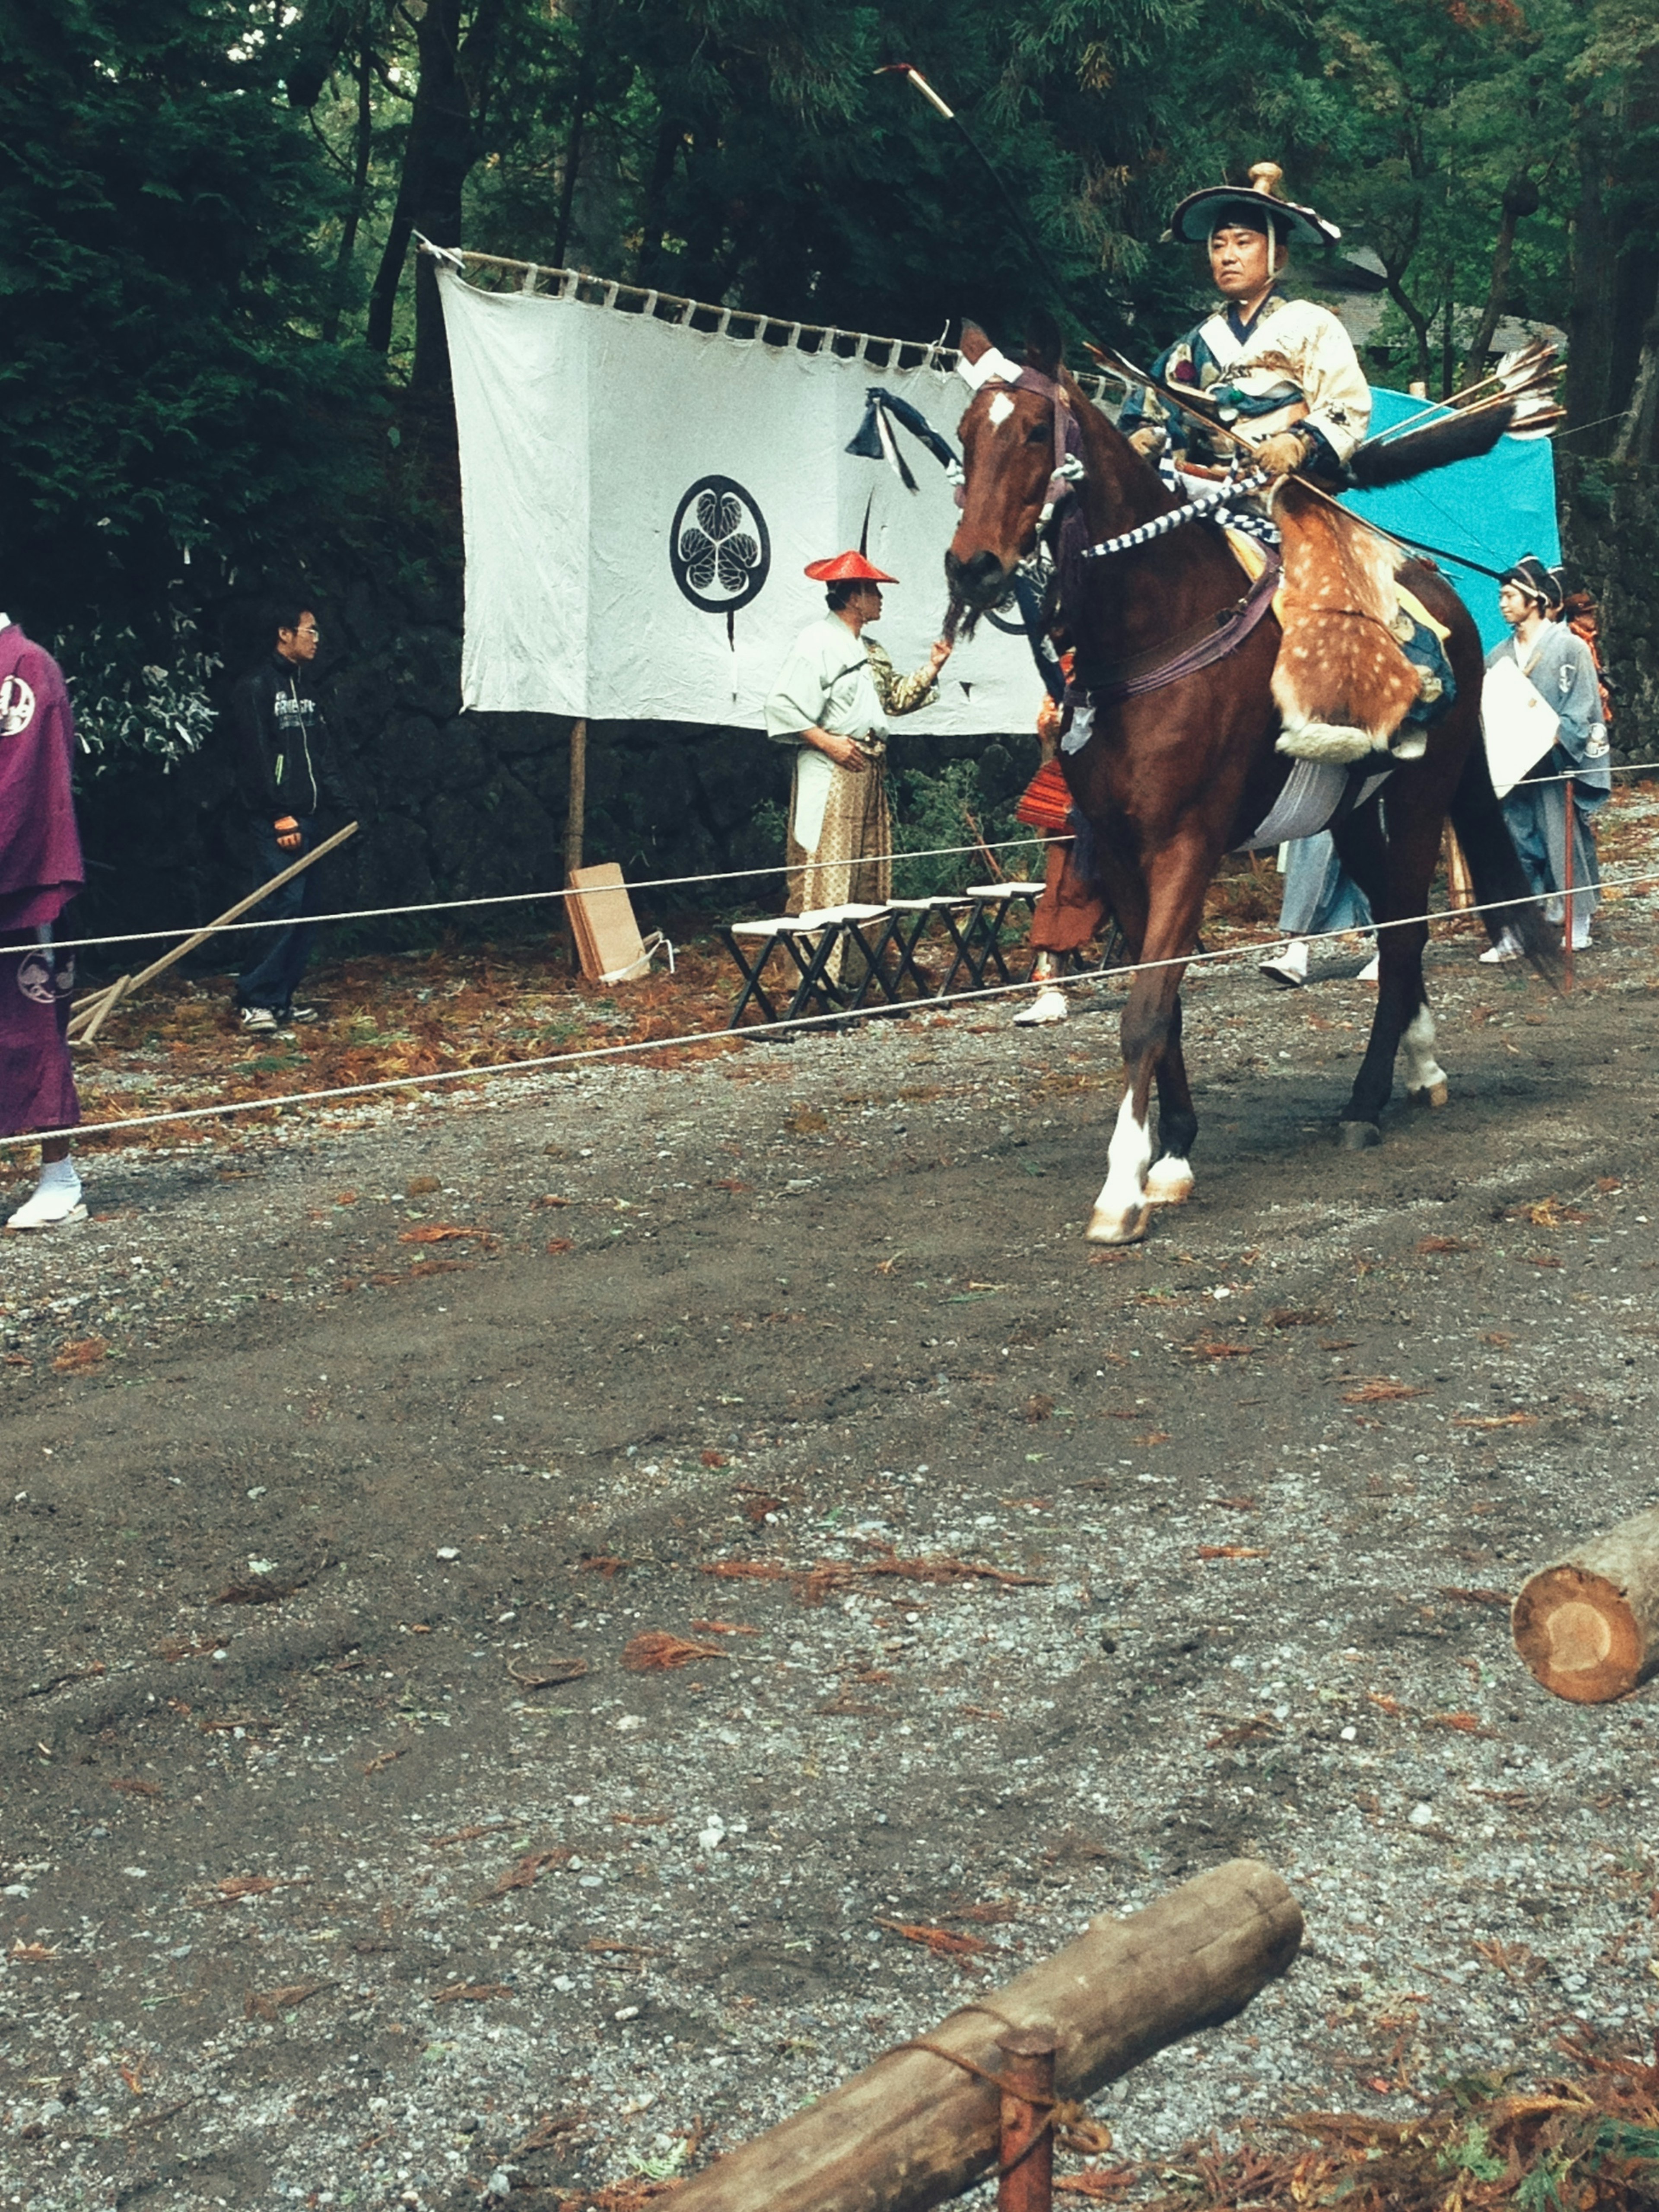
(1362,666)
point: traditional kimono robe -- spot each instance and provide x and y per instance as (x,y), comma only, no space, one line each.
(40,871)
(1563,672)
(840,840)
(1294,363)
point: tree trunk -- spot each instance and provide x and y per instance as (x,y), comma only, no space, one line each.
(1521,199)
(1635,441)
(913,2128)
(654,220)
(364,152)
(1589,317)
(575,826)
(442,147)
(1588,1626)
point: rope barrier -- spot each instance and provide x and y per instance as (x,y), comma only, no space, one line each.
(649,882)
(224,1110)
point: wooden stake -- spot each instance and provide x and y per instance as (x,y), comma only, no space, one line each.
(1588,1626)
(99,1014)
(575,828)
(230,914)
(914,2129)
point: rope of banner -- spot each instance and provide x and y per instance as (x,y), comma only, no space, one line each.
(655,883)
(225,1109)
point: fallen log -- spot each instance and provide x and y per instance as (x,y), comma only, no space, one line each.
(916,2129)
(1588,1626)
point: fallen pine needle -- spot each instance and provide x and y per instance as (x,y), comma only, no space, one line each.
(470,1835)
(940,1941)
(272,2003)
(1231,1552)
(525,1872)
(555,1672)
(655,1652)
(1382,1391)
(440,1232)
(385,1759)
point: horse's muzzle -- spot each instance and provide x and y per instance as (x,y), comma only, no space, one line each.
(978,583)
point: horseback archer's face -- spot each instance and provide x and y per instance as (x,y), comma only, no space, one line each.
(1241,261)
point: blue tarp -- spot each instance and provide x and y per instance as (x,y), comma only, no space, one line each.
(1493,511)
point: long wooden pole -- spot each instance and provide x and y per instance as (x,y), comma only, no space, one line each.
(916,2129)
(230,914)
(575,825)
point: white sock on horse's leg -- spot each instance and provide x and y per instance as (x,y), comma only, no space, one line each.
(1120,1211)
(1169,1183)
(1425,1080)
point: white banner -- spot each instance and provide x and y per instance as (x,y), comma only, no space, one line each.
(639,502)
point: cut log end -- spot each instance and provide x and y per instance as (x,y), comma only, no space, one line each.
(1577,1631)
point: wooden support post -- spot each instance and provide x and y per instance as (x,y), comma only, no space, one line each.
(914,2129)
(223,921)
(1025,2157)
(575,822)
(1460,885)
(1568,825)
(1588,1626)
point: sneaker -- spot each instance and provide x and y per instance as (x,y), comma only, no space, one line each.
(53,1208)
(301,1014)
(1581,940)
(1508,947)
(1371,970)
(258,1021)
(1289,965)
(1048,1005)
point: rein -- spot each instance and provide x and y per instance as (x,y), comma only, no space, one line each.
(1216,637)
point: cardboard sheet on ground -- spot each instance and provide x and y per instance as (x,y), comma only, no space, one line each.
(639,500)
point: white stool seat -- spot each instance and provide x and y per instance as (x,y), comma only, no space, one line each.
(1002,890)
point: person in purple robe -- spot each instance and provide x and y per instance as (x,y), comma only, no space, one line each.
(40,871)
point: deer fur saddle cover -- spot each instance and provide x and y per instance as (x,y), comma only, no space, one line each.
(1343,683)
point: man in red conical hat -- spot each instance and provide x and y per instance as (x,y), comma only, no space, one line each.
(832,701)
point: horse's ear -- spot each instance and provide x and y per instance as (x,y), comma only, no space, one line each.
(1043,344)
(974,344)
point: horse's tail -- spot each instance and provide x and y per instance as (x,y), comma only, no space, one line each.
(1477,816)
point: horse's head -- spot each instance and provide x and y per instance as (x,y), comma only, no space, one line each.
(1013,436)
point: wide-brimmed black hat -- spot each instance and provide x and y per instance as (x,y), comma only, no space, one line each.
(1257,204)
(1536,581)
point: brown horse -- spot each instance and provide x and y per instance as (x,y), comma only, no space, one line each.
(1172,777)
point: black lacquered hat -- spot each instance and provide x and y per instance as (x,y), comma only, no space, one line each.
(1257,204)
(1538,582)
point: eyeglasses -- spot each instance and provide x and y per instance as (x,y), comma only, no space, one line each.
(309,629)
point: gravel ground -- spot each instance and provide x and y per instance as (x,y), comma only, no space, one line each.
(310,1895)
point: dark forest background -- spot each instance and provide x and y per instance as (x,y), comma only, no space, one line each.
(224,369)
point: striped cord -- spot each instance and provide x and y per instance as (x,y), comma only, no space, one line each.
(1208,503)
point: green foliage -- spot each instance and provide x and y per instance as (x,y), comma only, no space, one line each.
(935,813)
(1473,2156)
(162,388)
(124,704)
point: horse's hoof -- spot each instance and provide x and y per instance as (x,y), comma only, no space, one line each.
(1357,1136)
(1437,1095)
(1169,1182)
(1117,1228)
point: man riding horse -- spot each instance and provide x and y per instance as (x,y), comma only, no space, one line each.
(1282,376)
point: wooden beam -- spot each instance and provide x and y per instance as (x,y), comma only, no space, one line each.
(914,2129)
(1588,1626)
(223,921)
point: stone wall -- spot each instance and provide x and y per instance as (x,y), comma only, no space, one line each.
(1610,538)
(456,805)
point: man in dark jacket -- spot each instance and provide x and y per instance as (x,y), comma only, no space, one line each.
(285,772)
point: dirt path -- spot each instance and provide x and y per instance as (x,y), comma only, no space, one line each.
(310,1895)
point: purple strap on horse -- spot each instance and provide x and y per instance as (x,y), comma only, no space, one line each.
(1233,625)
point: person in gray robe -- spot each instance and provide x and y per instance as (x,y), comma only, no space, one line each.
(1561,668)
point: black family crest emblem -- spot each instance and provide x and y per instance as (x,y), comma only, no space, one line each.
(720,548)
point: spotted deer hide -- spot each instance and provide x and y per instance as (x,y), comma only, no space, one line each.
(1341,681)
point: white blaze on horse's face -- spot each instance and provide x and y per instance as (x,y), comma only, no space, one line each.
(1000,409)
